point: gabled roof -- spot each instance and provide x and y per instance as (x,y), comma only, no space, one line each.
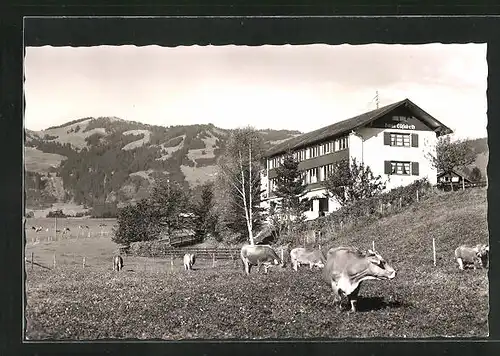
(457,172)
(356,122)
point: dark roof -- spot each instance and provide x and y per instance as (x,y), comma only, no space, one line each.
(342,127)
(457,172)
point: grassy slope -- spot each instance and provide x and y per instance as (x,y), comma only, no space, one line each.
(220,302)
(450,218)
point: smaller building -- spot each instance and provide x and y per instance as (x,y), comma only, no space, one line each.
(453,179)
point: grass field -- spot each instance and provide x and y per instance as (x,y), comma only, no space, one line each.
(150,299)
(71,223)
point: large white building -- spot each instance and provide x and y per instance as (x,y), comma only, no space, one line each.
(394,141)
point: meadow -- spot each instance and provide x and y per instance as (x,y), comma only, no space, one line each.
(151,299)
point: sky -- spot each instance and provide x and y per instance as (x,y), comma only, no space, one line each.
(299,87)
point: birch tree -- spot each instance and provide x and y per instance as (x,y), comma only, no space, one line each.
(239,175)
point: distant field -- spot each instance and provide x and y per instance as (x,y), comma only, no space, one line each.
(150,299)
(38,161)
(71,223)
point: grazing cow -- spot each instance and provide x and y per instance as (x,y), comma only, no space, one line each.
(347,267)
(117,263)
(257,255)
(300,255)
(66,230)
(466,255)
(189,260)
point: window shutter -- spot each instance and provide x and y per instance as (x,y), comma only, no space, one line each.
(414,140)
(387,167)
(414,168)
(387,139)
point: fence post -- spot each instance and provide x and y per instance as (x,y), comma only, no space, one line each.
(434,250)
(55,228)
(417,195)
(381,208)
(282,253)
(400,202)
(373,245)
(213,259)
(54,260)
(83,264)
(171,261)
(341,225)
(32,261)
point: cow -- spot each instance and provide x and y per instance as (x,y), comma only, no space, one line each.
(257,255)
(347,267)
(117,263)
(66,230)
(189,260)
(300,255)
(466,255)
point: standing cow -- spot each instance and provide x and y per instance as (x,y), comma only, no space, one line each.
(189,260)
(117,263)
(300,255)
(466,255)
(347,267)
(257,255)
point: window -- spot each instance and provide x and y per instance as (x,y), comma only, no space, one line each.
(313,175)
(342,143)
(402,140)
(328,170)
(326,148)
(314,152)
(400,168)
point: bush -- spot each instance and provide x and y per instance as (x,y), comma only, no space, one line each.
(368,209)
(56,214)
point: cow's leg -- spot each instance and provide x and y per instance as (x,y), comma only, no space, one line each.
(460,263)
(265,268)
(247,267)
(353,298)
(336,294)
(310,266)
(295,266)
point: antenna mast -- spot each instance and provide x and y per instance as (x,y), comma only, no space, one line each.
(377,102)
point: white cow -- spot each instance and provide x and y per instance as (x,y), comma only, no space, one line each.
(189,260)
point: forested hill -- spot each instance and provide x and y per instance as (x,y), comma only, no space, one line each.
(94,161)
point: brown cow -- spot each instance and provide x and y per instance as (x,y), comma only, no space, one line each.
(347,267)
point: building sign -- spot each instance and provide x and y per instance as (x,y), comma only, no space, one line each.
(400,126)
(401,120)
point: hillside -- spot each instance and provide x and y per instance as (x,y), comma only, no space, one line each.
(107,160)
(451,218)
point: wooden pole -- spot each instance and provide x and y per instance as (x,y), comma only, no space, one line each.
(373,246)
(400,202)
(434,250)
(171,262)
(54,260)
(32,261)
(417,195)
(213,259)
(83,263)
(282,253)
(463,183)
(55,228)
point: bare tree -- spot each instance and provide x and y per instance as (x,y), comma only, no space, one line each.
(239,171)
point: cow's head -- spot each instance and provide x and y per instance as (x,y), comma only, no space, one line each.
(378,267)
(482,250)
